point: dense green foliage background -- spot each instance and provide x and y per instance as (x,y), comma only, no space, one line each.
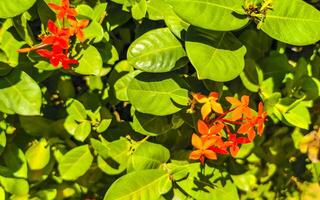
(116,126)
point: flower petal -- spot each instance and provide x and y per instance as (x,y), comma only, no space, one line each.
(233,101)
(203,127)
(205,110)
(195,155)
(210,154)
(196,141)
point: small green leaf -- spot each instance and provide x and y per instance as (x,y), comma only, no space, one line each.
(90,62)
(82,131)
(75,163)
(76,110)
(38,155)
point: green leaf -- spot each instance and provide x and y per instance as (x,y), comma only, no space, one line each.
(15,160)
(117,156)
(14,185)
(121,86)
(139,9)
(20,94)
(149,156)
(90,62)
(9,44)
(14,7)
(161,94)
(300,26)
(76,110)
(140,185)
(156,51)
(38,155)
(251,76)
(217,56)
(150,124)
(212,184)
(75,163)
(256,42)
(298,116)
(219,15)
(82,131)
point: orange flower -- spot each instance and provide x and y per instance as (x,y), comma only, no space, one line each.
(241,107)
(77,26)
(261,118)
(210,103)
(63,10)
(203,151)
(204,129)
(248,128)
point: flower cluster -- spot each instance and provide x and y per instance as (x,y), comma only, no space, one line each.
(55,45)
(221,132)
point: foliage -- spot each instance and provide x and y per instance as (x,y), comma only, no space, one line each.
(146,99)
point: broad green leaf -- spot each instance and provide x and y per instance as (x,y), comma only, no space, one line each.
(162,95)
(256,42)
(156,9)
(2,193)
(82,131)
(90,62)
(218,15)
(121,86)
(16,186)
(217,56)
(150,124)
(212,184)
(36,125)
(275,66)
(298,116)
(117,156)
(156,51)
(76,110)
(176,25)
(149,156)
(14,7)
(9,44)
(38,155)
(15,160)
(251,76)
(23,29)
(140,185)
(20,94)
(300,26)
(75,163)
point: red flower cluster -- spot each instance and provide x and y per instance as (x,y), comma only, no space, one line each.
(58,39)
(220,130)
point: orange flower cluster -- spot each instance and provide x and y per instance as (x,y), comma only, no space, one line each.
(55,46)
(221,132)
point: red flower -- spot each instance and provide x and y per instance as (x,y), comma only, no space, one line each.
(57,56)
(76,28)
(63,10)
(58,37)
(233,143)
